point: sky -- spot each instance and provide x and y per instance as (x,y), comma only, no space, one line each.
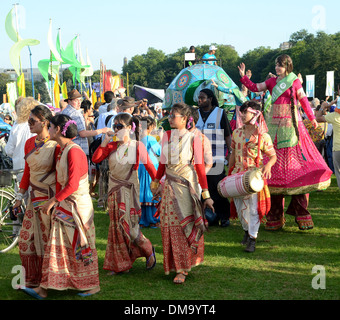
(111,30)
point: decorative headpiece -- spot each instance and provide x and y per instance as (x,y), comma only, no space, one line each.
(189,124)
(66,126)
(258,120)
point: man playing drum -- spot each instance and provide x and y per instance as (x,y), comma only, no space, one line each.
(250,137)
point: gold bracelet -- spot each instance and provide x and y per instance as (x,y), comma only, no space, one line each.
(205,195)
(154,185)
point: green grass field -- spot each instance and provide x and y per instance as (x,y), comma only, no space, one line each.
(280,269)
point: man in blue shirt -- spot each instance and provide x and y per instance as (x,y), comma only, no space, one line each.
(211,56)
(73,110)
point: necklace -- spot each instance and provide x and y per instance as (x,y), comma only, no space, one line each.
(39,143)
(62,150)
(125,152)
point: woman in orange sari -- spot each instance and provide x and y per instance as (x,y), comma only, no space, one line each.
(126,242)
(181,211)
(70,260)
(39,174)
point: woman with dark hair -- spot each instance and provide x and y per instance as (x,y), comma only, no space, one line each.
(181,211)
(300,168)
(126,242)
(39,175)
(148,204)
(70,260)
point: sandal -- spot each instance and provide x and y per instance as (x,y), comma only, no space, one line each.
(148,260)
(112,273)
(180,277)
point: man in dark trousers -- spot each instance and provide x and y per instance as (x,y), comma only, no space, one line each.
(213,122)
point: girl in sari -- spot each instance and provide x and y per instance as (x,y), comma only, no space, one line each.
(299,168)
(70,260)
(148,205)
(39,174)
(126,242)
(181,210)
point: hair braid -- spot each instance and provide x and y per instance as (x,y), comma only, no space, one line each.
(292,108)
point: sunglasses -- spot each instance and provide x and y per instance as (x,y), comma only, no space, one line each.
(32,122)
(118,126)
(172,116)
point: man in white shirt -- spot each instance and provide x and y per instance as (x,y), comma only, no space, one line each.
(108,96)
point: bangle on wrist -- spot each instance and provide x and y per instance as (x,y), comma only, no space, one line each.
(154,185)
(205,195)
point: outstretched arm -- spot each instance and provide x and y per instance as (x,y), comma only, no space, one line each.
(254,87)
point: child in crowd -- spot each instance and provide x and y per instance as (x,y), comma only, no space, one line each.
(148,205)
(247,142)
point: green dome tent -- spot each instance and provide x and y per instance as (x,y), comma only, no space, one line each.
(186,86)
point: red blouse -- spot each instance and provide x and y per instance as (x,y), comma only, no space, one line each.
(141,157)
(198,161)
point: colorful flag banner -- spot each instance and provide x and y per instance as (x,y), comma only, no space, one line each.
(94,97)
(21,86)
(56,92)
(13,33)
(310,86)
(330,84)
(11,89)
(64,90)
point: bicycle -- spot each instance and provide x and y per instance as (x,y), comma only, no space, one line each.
(10,222)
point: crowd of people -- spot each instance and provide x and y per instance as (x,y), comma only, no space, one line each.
(150,177)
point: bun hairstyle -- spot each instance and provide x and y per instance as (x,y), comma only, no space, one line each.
(43,113)
(185,111)
(60,121)
(149,121)
(128,120)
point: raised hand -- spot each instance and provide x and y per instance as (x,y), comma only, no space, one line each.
(242,69)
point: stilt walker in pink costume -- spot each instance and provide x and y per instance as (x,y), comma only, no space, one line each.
(300,168)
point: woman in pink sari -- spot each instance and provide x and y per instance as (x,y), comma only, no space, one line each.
(300,168)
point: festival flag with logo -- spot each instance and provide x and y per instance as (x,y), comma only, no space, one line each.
(310,86)
(330,84)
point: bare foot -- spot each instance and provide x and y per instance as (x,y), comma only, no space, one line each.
(41,292)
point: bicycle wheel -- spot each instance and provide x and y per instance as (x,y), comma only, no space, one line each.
(9,228)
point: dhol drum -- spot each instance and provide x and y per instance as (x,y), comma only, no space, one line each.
(241,184)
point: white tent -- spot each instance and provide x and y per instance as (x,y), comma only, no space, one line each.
(153,95)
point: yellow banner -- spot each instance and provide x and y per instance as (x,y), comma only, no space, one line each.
(21,86)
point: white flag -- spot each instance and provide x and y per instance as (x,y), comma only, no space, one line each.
(310,86)
(330,84)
